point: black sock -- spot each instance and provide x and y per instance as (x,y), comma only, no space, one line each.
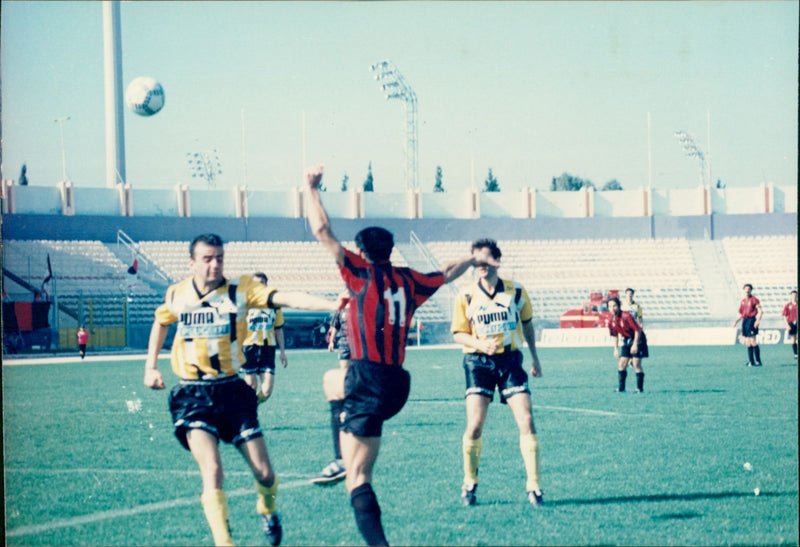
(794,349)
(623,376)
(336,410)
(368,514)
(640,381)
(757,352)
(750,354)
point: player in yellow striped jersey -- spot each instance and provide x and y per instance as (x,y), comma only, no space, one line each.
(212,402)
(491,320)
(264,333)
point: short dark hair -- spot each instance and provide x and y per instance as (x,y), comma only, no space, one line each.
(212,240)
(262,276)
(631,290)
(747,285)
(494,250)
(376,242)
(792,292)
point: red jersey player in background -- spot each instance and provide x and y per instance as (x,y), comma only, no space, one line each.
(750,314)
(790,317)
(634,344)
(383,299)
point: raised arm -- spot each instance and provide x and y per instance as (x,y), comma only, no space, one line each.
(305,301)
(317,216)
(453,270)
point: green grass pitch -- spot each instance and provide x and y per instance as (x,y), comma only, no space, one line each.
(90,457)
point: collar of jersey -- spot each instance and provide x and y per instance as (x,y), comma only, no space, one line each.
(215,289)
(498,288)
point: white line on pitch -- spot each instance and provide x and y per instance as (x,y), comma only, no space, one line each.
(87,470)
(580,410)
(117,513)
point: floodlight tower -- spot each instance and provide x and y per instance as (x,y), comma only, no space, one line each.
(112,69)
(692,149)
(395,87)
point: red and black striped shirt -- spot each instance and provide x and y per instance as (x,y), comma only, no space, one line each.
(383,298)
(790,312)
(625,325)
(748,306)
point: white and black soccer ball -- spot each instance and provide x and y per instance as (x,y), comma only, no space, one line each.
(144,96)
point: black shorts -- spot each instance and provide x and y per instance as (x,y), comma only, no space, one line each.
(259,359)
(373,393)
(792,329)
(642,350)
(343,347)
(225,408)
(749,328)
(82,347)
(484,373)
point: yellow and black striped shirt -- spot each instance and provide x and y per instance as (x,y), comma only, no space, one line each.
(499,315)
(261,325)
(211,328)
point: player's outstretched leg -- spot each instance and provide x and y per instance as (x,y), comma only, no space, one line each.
(265,506)
(368,514)
(215,507)
(334,471)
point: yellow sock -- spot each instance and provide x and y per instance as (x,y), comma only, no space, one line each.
(530,455)
(472,457)
(265,505)
(215,506)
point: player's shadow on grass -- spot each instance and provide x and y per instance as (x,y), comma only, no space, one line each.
(666,497)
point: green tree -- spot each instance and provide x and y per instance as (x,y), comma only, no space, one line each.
(368,187)
(567,182)
(491,184)
(23,177)
(345,179)
(438,187)
(613,184)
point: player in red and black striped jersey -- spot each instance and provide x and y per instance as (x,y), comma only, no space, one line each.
(750,314)
(383,299)
(790,317)
(634,344)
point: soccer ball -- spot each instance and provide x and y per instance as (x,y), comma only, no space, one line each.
(144,96)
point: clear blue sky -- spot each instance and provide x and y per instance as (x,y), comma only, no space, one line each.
(529,89)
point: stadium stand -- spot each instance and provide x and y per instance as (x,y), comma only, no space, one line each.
(560,274)
(769,263)
(88,278)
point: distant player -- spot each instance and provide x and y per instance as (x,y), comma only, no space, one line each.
(790,317)
(491,320)
(750,314)
(623,326)
(383,299)
(264,331)
(83,339)
(633,307)
(212,402)
(333,386)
